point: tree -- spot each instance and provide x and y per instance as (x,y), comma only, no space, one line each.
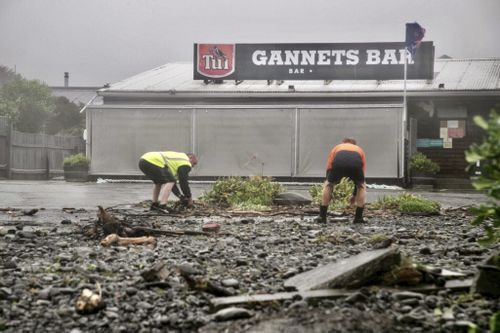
(488,152)
(66,118)
(27,103)
(7,75)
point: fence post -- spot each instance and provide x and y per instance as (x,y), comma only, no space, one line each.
(8,154)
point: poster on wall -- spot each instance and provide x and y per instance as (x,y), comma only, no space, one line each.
(315,61)
(448,143)
(452,129)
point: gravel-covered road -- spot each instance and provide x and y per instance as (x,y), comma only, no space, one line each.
(47,261)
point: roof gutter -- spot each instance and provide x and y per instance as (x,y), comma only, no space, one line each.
(173,94)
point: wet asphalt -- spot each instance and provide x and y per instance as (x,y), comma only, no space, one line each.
(61,194)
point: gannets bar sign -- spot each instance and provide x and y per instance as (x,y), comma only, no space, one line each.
(342,61)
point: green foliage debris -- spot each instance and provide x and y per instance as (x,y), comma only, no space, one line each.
(243,193)
(495,323)
(406,273)
(341,195)
(407,203)
(488,154)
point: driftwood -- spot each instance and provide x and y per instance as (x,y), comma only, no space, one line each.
(109,224)
(114,239)
(200,283)
(222,302)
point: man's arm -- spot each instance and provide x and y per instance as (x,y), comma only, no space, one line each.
(183,174)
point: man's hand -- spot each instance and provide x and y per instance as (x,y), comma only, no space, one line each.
(189,203)
(186,202)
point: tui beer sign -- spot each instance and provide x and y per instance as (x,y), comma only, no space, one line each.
(340,61)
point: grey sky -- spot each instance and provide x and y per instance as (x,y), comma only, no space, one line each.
(101,41)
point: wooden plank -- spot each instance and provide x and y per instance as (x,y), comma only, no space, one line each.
(450,284)
(221,302)
(350,272)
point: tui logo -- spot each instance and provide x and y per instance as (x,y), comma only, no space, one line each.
(215,60)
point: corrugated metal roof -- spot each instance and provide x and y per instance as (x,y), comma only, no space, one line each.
(75,94)
(454,74)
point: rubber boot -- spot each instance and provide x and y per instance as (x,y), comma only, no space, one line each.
(154,205)
(322,214)
(358,218)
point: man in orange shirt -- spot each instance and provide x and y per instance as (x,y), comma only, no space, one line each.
(345,160)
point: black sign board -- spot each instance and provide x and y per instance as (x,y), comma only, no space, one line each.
(340,61)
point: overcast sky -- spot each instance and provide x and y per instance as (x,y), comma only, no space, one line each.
(100,41)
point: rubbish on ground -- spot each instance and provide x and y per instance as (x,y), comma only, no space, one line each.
(114,239)
(158,272)
(30,212)
(89,302)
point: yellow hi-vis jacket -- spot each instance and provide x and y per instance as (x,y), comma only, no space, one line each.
(171,159)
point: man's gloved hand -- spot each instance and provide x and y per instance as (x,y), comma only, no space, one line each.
(189,203)
(186,202)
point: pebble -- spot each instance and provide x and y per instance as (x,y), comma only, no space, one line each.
(232,313)
(44,275)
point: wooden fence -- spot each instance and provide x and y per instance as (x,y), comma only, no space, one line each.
(34,155)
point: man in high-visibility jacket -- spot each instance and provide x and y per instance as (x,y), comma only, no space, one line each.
(345,160)
(164,169)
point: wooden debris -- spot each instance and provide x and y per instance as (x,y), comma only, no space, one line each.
(30,212)
(203,284)
(450,284)
(221,302)
(158,272)
(439,271)
(110,225)
(114,239)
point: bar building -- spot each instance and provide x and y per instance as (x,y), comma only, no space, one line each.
(285,127)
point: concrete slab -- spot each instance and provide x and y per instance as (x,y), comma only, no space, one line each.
(350,272)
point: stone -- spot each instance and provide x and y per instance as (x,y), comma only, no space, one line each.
(45,293)
(230,283)
(486,280)
(211,227)
(406,295)
(232,313)
(289,273)
(425,251)
(351,272)
(66,221)
(291,199)
(5,292)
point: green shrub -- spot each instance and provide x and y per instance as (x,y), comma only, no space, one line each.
(488,152)
(239,192)
(76,161)
(495,323)
(421,163)
(340,196)
(407,203)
